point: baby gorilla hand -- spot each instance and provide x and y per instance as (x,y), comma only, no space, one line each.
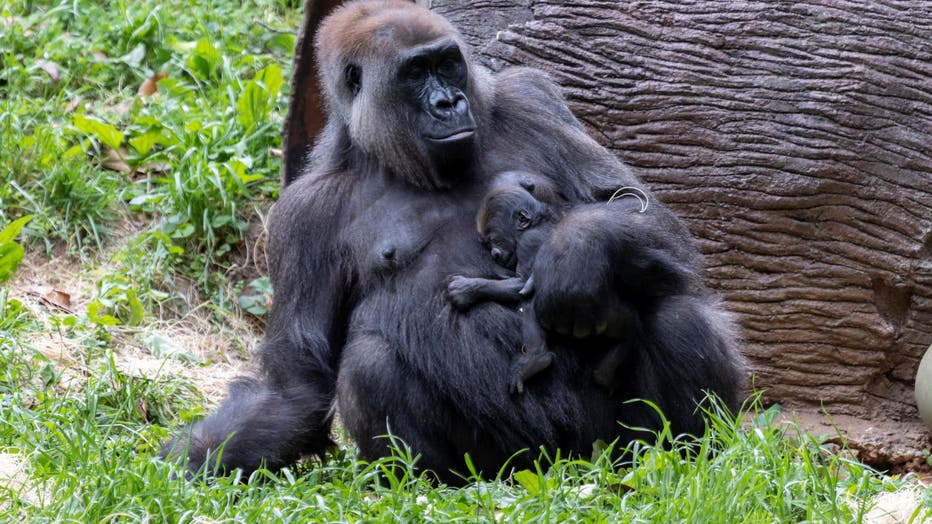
(463,292)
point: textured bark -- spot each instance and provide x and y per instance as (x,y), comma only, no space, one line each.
(794,138)
(306,117)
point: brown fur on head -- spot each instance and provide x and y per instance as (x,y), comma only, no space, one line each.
(371,35)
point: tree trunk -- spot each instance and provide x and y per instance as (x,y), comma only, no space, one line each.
(794,138)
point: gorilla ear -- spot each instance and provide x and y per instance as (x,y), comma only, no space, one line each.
(527,184)
(523,219)
(352,75)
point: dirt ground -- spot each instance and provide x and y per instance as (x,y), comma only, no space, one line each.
(894,447)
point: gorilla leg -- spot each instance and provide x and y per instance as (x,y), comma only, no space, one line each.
(260,423)
(534,356)
(688,349)
(371,407)
(372,403)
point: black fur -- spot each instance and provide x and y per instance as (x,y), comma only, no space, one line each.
(515,218)
(361,253)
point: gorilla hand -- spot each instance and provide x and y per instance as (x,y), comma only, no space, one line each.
(464,292)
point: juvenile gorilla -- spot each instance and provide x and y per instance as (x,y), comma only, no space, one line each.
(514,219)
(512,225)
(361,246)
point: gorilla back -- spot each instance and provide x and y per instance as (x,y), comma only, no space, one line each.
(363,242)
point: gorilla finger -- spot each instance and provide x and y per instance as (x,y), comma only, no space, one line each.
(563,323)
(528,288)
(582,328)
(601,325)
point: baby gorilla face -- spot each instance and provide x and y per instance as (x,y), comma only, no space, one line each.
(505,214)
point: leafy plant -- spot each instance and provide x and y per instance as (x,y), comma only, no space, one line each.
(11,253)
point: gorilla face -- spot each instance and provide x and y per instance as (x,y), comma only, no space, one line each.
(433,80)
(413,112)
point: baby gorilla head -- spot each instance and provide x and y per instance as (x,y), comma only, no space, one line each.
(516,203)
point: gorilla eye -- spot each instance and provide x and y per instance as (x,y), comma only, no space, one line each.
(352,75)
(415,70)
(523,219)
(448,67)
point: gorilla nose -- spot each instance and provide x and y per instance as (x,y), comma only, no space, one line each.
(444,105)
(497,254)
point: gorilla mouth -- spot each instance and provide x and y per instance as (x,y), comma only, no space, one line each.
(456,136)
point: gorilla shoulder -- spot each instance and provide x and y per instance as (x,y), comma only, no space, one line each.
(533,92)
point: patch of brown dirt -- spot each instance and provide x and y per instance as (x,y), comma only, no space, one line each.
(192,346)
(893,447)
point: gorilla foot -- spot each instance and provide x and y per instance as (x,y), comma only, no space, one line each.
(525,366)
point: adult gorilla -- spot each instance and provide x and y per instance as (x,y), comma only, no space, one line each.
(362,246)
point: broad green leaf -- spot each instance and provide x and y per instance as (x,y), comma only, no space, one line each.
(12,230)
(102,131)
(95,315)
(183,231)
(205,60)
(271,78)
(143,143)
(281,43)
(135,57)
(529,480)
(252,105)
(136,311)
(11,254)
(144,198)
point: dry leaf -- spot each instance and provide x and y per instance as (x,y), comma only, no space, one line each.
(59,298)
(154,167)
(122,108)
(50,68)
(100,56)
(51,297)
(275,153)
(113,160)
(150,86)
(74,104)
(142,409)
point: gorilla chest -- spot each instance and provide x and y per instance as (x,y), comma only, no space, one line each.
(400,233)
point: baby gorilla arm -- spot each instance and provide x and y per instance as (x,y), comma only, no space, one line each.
(465,292)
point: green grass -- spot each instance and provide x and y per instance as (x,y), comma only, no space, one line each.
(148,200)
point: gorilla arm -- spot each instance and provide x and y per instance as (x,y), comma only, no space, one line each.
(285,412)
(604,253)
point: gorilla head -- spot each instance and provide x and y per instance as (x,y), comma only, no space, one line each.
(399,85)
(517,201)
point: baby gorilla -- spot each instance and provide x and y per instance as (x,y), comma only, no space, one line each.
(515,218)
